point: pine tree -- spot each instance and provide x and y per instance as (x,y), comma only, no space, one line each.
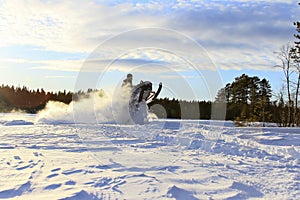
(253,95)
(221,96)
(282,115)
(262,109)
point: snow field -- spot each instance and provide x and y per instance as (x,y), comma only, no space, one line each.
(165,159)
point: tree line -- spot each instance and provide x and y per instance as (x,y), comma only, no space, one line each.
(32,101)
(181,109)
(246,99)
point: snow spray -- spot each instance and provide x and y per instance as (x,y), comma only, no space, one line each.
(95,107)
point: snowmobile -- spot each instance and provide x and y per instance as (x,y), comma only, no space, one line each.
(143,92)
(141,96)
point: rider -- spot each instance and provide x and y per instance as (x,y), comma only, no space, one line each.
(128,81)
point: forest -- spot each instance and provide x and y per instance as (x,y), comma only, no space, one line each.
(31,101)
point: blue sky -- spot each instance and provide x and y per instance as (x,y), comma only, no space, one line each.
(193,47)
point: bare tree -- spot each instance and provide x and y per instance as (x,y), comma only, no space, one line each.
(296,65)
(285,57)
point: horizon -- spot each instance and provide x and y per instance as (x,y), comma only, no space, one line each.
(51,45)
(109,92)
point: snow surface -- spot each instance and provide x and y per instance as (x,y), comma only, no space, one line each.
(164,159)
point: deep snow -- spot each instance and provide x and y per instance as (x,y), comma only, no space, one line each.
(164,159)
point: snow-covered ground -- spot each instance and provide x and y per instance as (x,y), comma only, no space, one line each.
(164,159)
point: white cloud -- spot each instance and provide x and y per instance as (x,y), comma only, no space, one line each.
(58,77)
(237,33)
(73,26)
(58,65)
(177,77)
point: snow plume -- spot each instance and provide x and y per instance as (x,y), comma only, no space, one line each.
(94,108)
